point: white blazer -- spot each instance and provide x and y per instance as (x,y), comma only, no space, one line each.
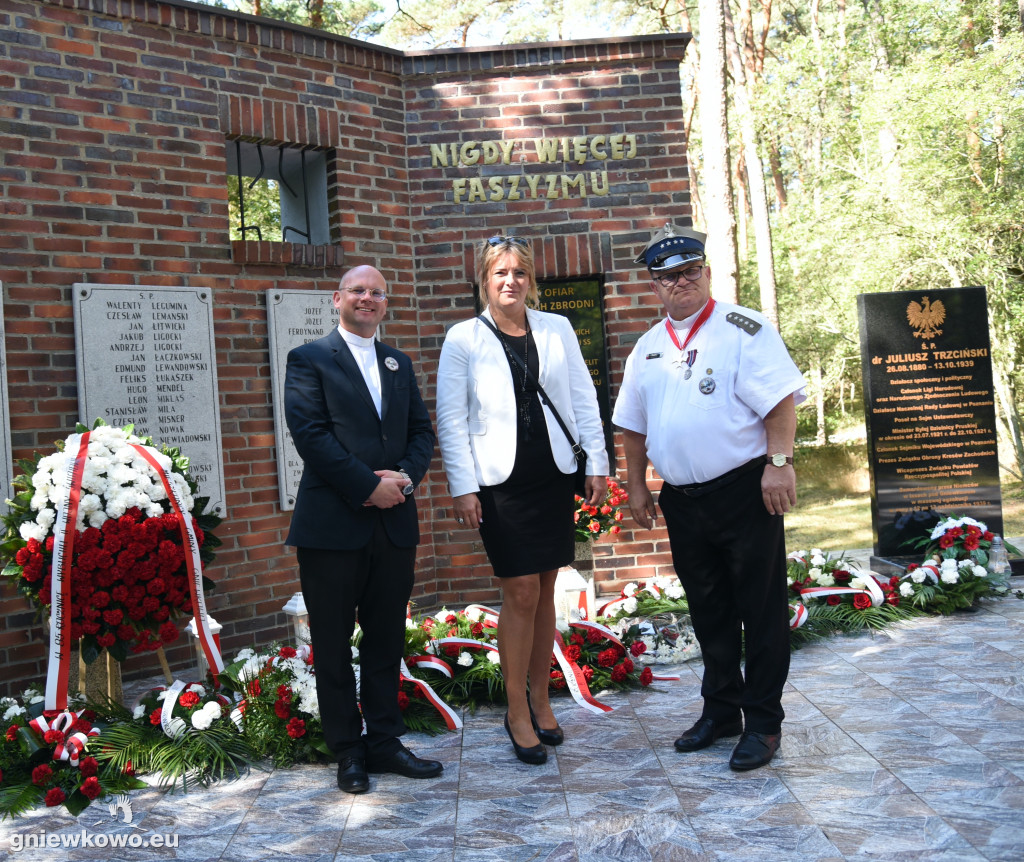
(476,403)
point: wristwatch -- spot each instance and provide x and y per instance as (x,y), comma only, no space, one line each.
(779,460)
(409,487)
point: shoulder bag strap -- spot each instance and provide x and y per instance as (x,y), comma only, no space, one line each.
(577,449)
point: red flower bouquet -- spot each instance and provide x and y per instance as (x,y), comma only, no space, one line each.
(128,573)
(593,521)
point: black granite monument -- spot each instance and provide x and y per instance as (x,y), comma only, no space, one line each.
(931,425)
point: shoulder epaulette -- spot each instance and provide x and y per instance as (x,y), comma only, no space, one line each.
(749,326)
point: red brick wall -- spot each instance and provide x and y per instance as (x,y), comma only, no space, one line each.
(517,95)
(114,118)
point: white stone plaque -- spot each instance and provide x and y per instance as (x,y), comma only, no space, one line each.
(146,357)
(6,471)
(294,317)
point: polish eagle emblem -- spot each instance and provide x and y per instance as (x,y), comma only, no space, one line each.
(926,317)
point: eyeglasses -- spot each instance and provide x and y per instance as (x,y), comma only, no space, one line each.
(507,240)
(671,279)
(377,295)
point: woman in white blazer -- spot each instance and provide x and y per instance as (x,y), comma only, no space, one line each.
(510,467)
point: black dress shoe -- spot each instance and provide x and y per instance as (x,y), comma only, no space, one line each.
(404,762)
(352,777)
(547,737)
(754,750)
(534,754)
(706,731)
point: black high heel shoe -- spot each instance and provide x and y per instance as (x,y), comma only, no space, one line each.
(548,737)
(534,755)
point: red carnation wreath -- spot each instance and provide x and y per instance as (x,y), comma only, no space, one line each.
(129,580)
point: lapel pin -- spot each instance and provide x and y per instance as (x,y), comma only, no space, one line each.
(390,363)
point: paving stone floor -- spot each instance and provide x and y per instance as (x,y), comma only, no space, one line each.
(903,745)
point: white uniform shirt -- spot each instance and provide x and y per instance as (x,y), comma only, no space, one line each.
(693,435)
(365,355)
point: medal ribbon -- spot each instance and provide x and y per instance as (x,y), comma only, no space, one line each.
(702,318)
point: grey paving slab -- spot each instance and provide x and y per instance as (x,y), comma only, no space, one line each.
(901,745)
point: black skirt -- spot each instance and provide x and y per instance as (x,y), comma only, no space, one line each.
(528,524)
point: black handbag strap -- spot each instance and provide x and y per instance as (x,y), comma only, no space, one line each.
(577,449)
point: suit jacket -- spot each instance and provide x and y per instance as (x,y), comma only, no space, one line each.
(476,404)
(342,440)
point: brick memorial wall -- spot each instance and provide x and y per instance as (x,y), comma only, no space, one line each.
(117,120)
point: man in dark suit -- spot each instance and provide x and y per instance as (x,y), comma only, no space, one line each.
(358,421)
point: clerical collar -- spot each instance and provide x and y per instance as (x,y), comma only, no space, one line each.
(353,339)
(686,322)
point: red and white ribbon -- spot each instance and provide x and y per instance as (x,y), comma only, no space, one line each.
(823,592)
(59,664)
(483,613)
(468,643)
(605,632)
(431,662)
(797,616)
(171,726)
(238,716)
(664,678)
(576,681)
(450,716)
(608,608)
(871,589)
(74,743)
(583,606)
(192,563)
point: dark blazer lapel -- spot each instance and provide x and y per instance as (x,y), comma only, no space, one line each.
(347,363)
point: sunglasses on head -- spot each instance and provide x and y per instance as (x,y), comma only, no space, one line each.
(507,240)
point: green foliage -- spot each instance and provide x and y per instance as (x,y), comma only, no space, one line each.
(824,620)
(194,759)
(262,209)
(898,135)
(135,745)
(358,19)
(903,160)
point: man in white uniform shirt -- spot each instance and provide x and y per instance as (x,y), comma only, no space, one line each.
(709,396)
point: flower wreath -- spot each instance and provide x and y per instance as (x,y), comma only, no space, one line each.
(128,572)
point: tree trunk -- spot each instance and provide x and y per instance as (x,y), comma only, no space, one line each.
(718,203)
(844,60)
(775,164)
(817,381)
(742,208)
(316,14)
(1007,400)
(754,178)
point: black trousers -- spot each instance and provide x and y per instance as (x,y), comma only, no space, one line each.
(374,583)
(730,556)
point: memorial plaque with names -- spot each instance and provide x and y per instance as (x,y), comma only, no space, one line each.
(146,357)
(294,317)
(931,424)
(580,300)
(6,471)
